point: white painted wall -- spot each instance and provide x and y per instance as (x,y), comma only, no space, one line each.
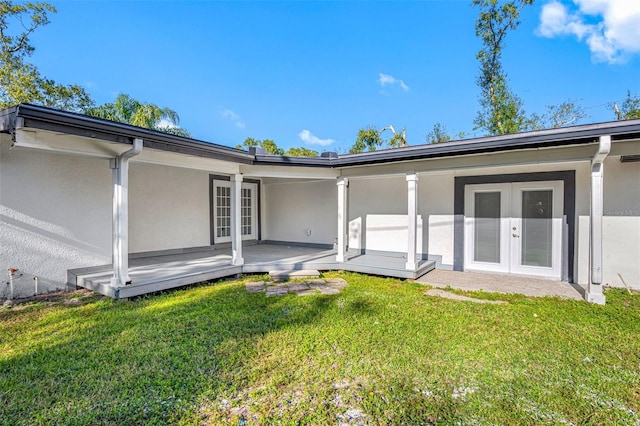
(436,193)
(291,208)
(373,198)
(55,214)
(168,208)
(390,233)
(621,223)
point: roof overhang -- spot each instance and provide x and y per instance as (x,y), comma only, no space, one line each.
(26,116)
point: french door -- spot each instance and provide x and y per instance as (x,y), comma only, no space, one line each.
(514,228)
(222,220)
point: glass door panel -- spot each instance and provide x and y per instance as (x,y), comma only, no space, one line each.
(486,240)
(536,233)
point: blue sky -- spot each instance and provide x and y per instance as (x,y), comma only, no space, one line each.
(313,73)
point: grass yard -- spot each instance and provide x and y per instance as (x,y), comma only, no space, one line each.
(381,352)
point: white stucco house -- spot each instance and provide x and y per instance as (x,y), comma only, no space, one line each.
(126,211)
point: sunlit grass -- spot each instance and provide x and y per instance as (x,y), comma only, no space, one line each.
(380,352)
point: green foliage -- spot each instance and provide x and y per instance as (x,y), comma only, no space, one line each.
(273,149)
(216,354)
(630,108)
(21,82)
(128,110)
(268,145)
(301,152)
(565,114)
(438,134)
(501,110)
(368,139)
(397,140)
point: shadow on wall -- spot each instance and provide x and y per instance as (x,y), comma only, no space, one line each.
(383,233)
(388,233)
(38,249)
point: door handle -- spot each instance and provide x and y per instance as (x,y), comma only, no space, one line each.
(515,235)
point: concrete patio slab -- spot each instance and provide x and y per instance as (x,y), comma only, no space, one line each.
(447,295)
(497,283)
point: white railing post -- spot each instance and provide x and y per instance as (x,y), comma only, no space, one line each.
(236,220)
(412,221)
(343,220)
(594,291)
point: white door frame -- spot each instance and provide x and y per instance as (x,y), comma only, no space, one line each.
(510,228)
(504,189)
(555,271)
(248,214)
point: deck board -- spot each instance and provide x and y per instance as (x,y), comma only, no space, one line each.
(157,273)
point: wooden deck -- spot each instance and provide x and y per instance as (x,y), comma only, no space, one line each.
(157,273)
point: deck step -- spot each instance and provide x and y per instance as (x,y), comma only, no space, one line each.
(292,274)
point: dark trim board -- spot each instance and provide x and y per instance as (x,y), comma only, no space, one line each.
(298,244)
(568,227)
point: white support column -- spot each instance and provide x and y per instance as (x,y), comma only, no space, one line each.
(594,291)
(343,220)
(412,229)
(236,220)
(120,219)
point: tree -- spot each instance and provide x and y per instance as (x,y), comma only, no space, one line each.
(368,139)
(398,139)
(501,110)
(301,152)
(128,110)
(565,114)
(629,109)
(438,134)
(20,81)
(273,149)
(267,144)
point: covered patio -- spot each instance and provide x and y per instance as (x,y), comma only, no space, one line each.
(167,271)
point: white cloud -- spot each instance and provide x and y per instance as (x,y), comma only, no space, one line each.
(386,79)
(611,28)
(164,123)
(311,139)
(227,114)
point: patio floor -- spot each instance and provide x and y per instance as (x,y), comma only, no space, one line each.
(473,281)
(162,272)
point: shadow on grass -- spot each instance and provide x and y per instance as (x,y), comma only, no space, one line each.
(137,362)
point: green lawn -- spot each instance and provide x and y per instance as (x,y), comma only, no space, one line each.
(381,352)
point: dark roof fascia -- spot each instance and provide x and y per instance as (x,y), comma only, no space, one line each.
(280,160)
(43,118)
(567,136)
(32,116)
(577,135)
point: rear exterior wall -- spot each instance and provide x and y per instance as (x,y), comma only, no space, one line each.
(55,214)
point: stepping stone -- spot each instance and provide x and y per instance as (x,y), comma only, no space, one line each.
(324,288)
(337,282)
(254,287)
(296,287)
(287,275)
(277,290)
